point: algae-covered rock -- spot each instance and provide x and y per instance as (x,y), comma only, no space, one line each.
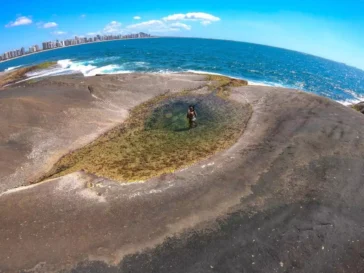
(359,107)
(156,138)
(21,73)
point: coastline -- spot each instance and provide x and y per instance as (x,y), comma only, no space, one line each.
(43,51)
(96,60)
(216,39)
(295,134)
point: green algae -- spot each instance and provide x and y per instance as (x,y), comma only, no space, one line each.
(44,65)
(156,140)
(358,107)
(20,74)
(223,85)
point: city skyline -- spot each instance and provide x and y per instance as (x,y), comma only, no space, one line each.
(329,29)
(48,45)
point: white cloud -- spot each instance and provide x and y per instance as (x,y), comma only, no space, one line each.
(113,27)
(192,16)
(93,33)
(205,18)
(206,23)
(59,32)
(153,26)
(83,16)
(180,25)
(20,21)
(50,25)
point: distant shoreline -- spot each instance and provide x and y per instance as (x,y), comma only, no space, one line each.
(206,38)
(42,51)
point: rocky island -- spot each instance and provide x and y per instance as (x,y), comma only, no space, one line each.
(100,174)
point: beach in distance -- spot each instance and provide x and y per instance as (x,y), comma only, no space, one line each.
(42,51)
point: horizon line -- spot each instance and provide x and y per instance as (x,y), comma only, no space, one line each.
(191,37)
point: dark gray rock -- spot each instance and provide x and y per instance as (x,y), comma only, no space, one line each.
(287,197)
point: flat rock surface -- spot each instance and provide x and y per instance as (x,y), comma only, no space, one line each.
(287,197)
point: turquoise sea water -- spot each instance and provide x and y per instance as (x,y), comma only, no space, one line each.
(256,63)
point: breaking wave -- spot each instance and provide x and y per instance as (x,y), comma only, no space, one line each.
(13,68)
(259,65)
(89,68)
(67,66)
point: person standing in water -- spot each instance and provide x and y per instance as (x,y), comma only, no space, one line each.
(192,116)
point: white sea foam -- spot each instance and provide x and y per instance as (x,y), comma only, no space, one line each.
(92,71)
(165,71)
(352,93)
(249,81)
(13,68)
(68,66)
(89,70)
(357,98)
(43,73)
(65,63)
(204,72)
(349,101)
(258,83)
(122,72)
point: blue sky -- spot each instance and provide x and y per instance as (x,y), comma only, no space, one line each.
(331,29)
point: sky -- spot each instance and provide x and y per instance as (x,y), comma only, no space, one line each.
(332,29)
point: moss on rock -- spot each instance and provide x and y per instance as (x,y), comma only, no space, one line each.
(223,84)
(358,107)
(155,139)
(20,74)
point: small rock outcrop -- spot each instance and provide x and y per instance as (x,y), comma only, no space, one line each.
(359,107)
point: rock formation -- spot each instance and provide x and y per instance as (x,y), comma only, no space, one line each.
(286,197)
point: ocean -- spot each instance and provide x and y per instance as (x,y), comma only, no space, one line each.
(260,65)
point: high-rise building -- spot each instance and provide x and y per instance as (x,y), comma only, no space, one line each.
(33,49)
(70,42)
